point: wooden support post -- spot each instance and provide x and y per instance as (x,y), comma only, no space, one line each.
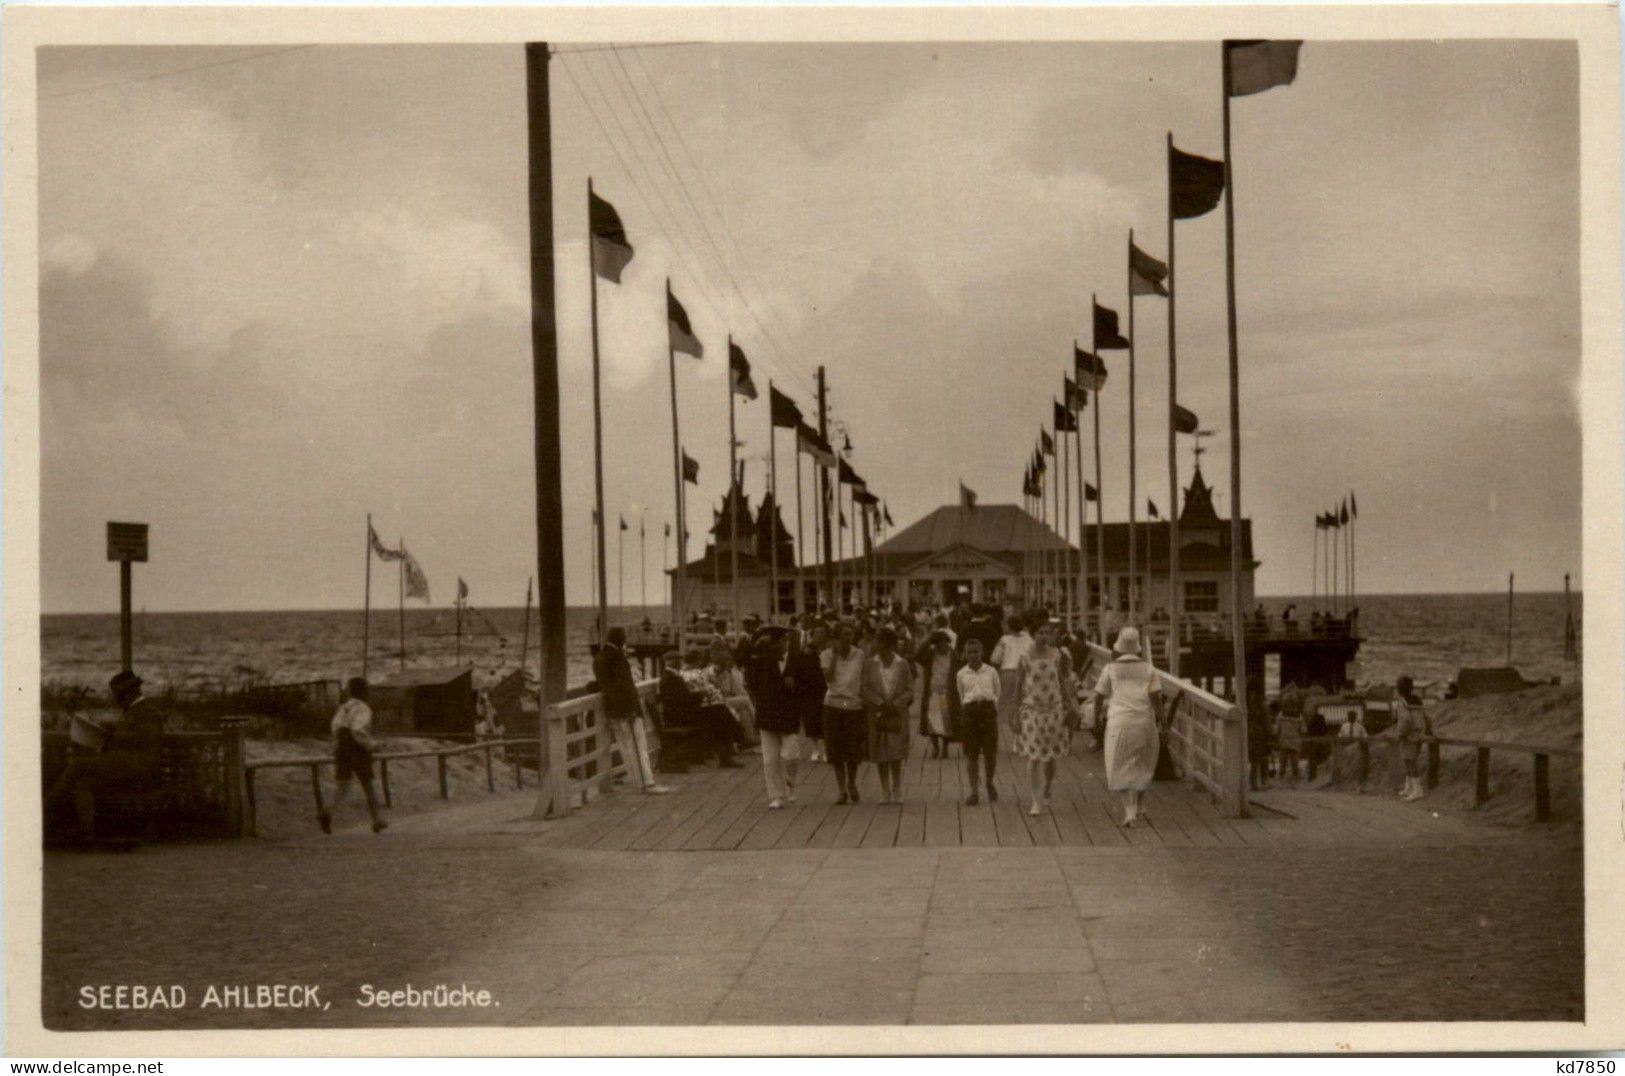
(248,790)
(1433,764)
(518,773)
(490,775)
(1365,760)
(383,776)
(231,779)
(1543,788)
(440,765)
(1481,786)
(316,786)
(1234,775)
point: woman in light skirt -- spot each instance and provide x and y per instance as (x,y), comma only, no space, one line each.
(1129,689)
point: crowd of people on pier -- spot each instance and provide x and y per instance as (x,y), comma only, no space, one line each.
(857,691)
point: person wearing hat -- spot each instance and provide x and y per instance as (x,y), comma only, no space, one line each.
(806,671)
(352,754)
(937,667)
(771,682)
(1047,701)
(624,709)
(1129,689)
(127,761)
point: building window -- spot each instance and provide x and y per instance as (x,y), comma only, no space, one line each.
(1202,596)
(993,591)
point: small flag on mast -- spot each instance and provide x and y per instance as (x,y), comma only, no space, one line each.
(378,547)
(462,589)
(1343,516)
(1075,400)
(967,496)
(739,373)
(785,412)
(1194,184)
(1354,507)
(417,584)
(610,248)
(1090,493)
(885,513)
(1185,420)
(1089,368)
(1038,459)
(1107,337)
(1065,420)
(1146,274)
(624,527)
(809,441)
(1256,66)
(1046,444)
(691,470)
(1151,507)
(679,329)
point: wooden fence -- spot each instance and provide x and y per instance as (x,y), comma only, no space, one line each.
(1207,738)
(1540,758)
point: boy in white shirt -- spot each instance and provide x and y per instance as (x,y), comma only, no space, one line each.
(352,753)
(979,690)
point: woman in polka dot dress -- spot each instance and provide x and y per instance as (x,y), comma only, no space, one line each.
(1046,672)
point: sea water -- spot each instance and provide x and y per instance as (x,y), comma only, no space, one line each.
(1428,636)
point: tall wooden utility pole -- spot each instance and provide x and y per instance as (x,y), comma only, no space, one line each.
(544,345)
(828,587)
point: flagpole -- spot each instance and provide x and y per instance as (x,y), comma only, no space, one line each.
(1100,504)
(402,587)
(1133,507)
(598,444)
(680,597)
(801,549)
(772,522)
(1066,527)
(366,606)
(1337,538)
(1314,572)
(735,490)
(524,631)
(643,560)
(457,649)
(620,571)
(1174,584)
(1352,517)
(1239,643)
(1083,521)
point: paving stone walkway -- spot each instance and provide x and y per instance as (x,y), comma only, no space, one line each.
(1421,928)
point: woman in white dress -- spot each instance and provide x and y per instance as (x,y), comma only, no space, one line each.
(936,661)
(1129,690)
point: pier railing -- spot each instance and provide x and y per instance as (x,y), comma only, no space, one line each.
(1207,738)
(581,757)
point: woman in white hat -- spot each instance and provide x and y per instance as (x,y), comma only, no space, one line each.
(1128,687)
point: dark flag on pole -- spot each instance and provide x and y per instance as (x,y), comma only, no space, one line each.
(739,373)
(1076,398)
(1151,507)
(1343,516)
(846,475)
(1065,421)
(1354,508)
(885,513)
(1185,420)
(679,329)
(1256,66)
(1107,338)
(1038,461)
(1089,367)
(610,249)
(785,411)
(1090,493)
(691,470)
(810,441)
(1146,273)
(1046,443)
(967,496)
(624,527)
(1194,184)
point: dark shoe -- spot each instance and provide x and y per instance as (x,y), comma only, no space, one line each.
(379,825)
(972,800)
(854,795)
(325,820)
(841,800)
(992,794)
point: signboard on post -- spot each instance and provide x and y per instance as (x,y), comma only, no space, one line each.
(127,541)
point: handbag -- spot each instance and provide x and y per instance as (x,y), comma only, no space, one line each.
(889,718)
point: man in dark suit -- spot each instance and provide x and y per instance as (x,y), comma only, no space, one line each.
(127,762)
(624,710)
(771,683)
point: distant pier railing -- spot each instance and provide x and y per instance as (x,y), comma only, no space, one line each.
(1207,738)
(579,750)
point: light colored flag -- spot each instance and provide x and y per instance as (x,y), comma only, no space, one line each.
(1256,66)
(610,248)
(417,584)
(1089,368)
(379,548)
(1146,274)
(681,332)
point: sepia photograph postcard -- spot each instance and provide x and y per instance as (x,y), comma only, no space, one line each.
(832,486)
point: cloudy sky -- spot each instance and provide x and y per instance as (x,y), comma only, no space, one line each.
(283,288)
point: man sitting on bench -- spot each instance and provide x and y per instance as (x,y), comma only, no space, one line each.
(126,763)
